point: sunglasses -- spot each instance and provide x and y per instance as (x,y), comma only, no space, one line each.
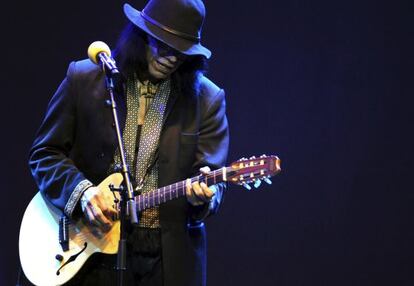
(165,50)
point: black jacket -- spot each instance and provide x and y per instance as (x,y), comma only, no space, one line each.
(77,141)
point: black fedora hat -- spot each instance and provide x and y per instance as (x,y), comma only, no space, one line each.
(177,23)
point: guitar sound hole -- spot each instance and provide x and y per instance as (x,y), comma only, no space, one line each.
(72,258)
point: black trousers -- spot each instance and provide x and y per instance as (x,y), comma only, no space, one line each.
(144,263)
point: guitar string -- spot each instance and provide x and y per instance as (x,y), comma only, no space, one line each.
(149,199)
(177,186)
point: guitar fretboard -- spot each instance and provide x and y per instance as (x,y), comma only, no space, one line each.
(174,191)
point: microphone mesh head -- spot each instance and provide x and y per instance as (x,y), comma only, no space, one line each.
(96,48)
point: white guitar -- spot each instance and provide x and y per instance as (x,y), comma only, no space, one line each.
(47,261)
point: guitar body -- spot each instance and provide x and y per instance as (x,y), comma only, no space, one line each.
(39,241)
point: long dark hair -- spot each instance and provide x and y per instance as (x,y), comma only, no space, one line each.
(130,54)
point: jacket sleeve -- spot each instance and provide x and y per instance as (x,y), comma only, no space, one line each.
(49,159)
(212,149)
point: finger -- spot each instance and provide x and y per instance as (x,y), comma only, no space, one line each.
(194,200)
(188,187)
(100,218)
(96,225)
(110,213)
(107,206)
(205,170)
(89,215)
(191,198)
(199,192)
(96,231)
(208,193)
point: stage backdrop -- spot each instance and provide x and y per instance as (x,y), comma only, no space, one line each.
(325,85)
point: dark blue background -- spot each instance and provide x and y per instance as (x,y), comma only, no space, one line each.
(325,85)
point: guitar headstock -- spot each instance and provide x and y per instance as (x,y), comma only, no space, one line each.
(253,170)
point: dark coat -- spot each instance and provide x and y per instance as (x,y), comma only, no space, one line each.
(77,141)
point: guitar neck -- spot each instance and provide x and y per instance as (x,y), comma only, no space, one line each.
(241,172)
(174,191)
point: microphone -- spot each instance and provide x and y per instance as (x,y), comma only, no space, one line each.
(100,53)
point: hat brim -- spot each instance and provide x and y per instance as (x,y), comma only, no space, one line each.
(182,45)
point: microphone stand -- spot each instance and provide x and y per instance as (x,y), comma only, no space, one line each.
(126,191)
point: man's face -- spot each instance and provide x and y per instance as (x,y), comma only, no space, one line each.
(162,59)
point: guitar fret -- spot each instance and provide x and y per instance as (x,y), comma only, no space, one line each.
(224,174)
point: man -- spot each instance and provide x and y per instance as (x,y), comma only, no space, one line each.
(173,120)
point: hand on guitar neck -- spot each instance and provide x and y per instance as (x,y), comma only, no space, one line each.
(199,193)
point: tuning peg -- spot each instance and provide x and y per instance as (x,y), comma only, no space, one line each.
(246,186)
(257,183)
(267,180)
(252,157)
(263,156)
